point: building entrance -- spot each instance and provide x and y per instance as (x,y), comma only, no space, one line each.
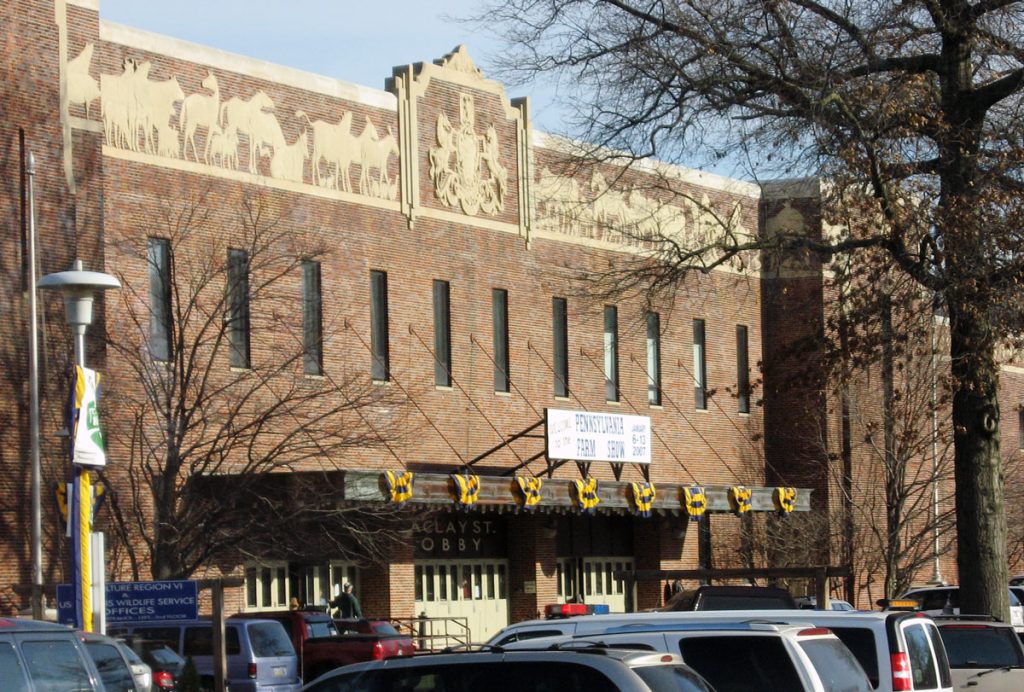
(594,579)
(476,590)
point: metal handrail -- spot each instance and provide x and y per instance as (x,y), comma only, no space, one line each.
(435,633)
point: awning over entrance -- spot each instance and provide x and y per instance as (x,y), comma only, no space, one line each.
(500,493)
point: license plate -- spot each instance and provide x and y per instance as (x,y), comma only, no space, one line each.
(280,671)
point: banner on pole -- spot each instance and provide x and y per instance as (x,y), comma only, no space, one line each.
(88,448)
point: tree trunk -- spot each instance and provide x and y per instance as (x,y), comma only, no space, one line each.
(980,516)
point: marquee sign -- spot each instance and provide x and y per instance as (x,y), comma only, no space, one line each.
(587,436)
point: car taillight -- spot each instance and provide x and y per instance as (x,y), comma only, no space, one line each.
(163,680)
(814,631)
(378,651)
(252,671)
(901,680)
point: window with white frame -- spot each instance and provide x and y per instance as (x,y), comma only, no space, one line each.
(324,581)
(266,586)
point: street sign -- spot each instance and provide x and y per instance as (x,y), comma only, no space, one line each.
(146,601)
(588,436)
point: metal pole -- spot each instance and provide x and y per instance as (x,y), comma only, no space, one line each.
(33,378)
(936,573)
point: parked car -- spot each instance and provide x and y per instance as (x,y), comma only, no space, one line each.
(119,671)
(739,656)
(166,665)
(592,670)
(725,597)
(899,650)
(323,646)
(260,655)
(985,655)
(141,671)
(811,603)
(945,600)
(45,657)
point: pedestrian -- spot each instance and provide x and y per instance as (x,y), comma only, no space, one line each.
(347,604)
(294,604)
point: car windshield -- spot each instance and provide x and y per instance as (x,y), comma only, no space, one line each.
(672,679)
(835,665)
(738,602)
(980,646)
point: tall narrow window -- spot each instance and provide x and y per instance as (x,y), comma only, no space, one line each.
(560,336)
(312,319)
(700,372)
(499,323)
(742,369)
(442,335)
(653,359)
(381,367)
(159,254)
(611,353)
(238,308)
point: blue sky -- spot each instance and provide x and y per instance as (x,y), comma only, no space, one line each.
(356,42)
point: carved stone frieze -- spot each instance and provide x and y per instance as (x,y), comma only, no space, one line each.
(155,117)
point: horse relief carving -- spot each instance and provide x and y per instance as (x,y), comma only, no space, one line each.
(155,117)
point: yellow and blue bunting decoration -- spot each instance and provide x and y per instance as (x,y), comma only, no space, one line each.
(399,485)
(784,499)
(529,491)
(696,501)
(643,498)
(739,499)
(587,497)
(466,489)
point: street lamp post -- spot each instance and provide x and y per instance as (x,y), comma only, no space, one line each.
(78,286)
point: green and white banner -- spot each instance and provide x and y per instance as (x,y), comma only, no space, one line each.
(89,448)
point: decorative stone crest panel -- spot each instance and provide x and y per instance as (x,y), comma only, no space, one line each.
(465,166)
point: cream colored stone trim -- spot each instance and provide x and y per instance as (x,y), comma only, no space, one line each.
(93,5)
(240,64)
(60,18)
(539,233)
(712,181)
(461,220)
(88,125)
(524,161)
(246,177)
(408,136)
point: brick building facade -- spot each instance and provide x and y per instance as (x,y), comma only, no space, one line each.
(437,194)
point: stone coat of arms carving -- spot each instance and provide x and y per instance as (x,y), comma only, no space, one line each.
(458,163)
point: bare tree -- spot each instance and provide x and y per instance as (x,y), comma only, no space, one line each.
(231,450)
(914,106)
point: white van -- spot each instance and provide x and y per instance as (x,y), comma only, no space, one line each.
(898,650)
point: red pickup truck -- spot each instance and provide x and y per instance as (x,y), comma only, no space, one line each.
(322,646)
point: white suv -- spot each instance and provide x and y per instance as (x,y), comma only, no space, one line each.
(899,650)
(945,600)
(593,670)
(737,656)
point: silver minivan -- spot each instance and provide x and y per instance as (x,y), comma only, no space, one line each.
(44,657)
(260,654)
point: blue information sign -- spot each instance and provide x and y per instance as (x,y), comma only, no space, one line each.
(146,601)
